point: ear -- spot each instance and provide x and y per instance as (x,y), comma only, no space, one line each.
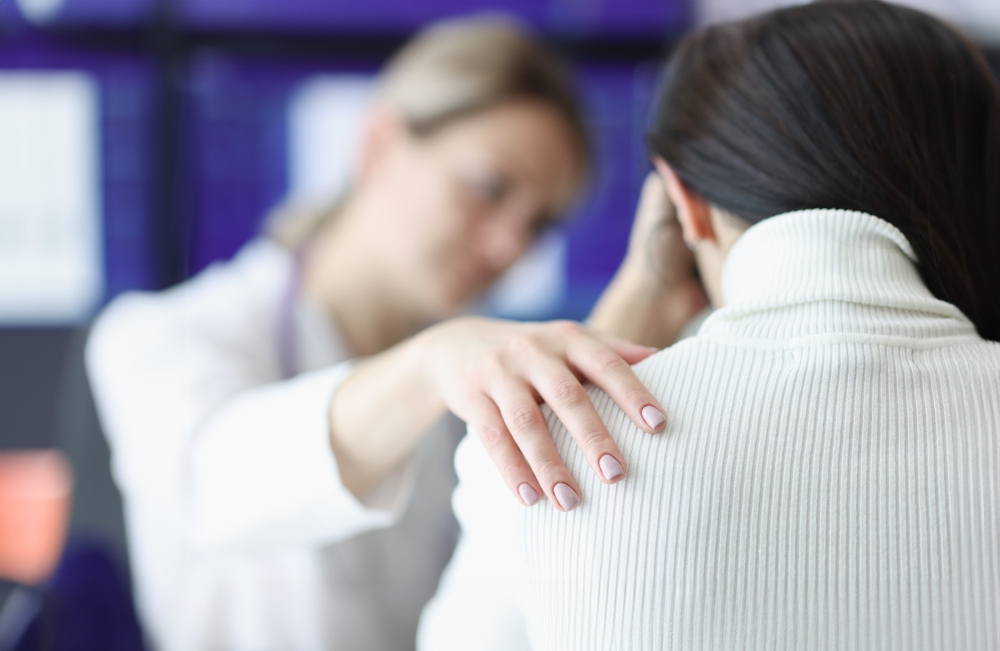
(381,131)
(693,212)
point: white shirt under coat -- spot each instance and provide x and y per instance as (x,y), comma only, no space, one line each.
(241,535)
(829,477)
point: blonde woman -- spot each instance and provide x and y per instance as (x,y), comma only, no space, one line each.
(276,422)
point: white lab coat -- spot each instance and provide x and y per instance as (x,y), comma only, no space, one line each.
(242,536)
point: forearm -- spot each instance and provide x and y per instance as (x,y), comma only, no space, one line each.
(260,471)
(637,307)
(381,412)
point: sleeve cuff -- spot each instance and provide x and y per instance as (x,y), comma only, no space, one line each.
(264,472)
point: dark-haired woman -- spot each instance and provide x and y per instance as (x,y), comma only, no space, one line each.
(830,474)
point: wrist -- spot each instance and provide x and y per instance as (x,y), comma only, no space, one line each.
(639,305)
(423,353)
(638,277)
(382,410)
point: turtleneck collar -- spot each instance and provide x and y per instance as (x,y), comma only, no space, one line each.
(815,272)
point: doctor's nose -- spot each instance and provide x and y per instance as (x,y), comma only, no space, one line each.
(502,241)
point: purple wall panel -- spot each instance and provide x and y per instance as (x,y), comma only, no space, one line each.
(235,158)
(106,13)
(584,17)
(650,18)
(87,13)
(618,100)
(126,153)
(128,165)
(382,16)
(10,17)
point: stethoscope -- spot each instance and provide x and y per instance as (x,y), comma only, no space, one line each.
(286,338)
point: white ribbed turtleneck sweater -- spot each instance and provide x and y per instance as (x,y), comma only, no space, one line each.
(829,477)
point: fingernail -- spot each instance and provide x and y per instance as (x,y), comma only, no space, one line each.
(653,417)
(610,467)
(566,497)
(528,494)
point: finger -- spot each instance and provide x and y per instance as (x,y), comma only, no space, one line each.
(631,353)
(488,423)
(600,364)
(654,204)
(523,419)
(563,392)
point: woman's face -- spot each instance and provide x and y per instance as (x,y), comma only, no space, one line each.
(456,208)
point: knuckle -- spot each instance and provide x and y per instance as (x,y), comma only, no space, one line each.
(570,392)
(492,436)
(522,344)
(636,396)
(566,328)
(492,362)
(512,470)
(523,418)
(548,468)
(469,393)
(592,438)
(607,361)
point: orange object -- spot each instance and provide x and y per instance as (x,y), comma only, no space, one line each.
(35,492)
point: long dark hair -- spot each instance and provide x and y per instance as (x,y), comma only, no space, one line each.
(862,106)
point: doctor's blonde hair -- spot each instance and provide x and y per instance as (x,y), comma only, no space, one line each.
(450,70)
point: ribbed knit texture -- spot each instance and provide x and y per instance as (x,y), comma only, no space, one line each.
(829,477)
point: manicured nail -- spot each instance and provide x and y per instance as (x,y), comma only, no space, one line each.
(528,494)
(653,417)
(567,498)
(610,467)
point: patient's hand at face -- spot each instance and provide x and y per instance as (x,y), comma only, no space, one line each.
(656,291)
(709,231)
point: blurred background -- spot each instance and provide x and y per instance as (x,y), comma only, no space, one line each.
(141,140)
